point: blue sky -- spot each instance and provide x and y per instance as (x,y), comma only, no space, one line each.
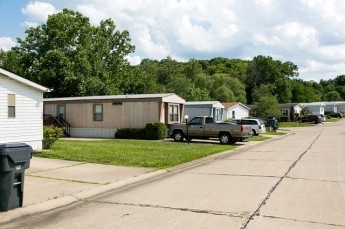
(307,32)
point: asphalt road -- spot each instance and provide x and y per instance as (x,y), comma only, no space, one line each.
(297,181)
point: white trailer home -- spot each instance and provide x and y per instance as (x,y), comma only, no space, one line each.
(235,110)
(214,109)
(21,110)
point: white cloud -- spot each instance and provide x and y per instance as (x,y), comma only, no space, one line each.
(313,69)
(6,43)
(37,12)
(307,32)
(135,60)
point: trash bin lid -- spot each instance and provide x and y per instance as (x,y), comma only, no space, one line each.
(18,152)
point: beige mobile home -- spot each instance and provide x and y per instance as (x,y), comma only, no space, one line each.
(101,116)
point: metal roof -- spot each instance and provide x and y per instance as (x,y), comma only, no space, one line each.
(23,80)
(164,97)
(205,103)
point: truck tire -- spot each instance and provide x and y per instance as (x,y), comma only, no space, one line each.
(178,136)
(233,140)
(224,138)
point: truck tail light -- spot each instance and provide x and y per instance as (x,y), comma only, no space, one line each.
(241,128)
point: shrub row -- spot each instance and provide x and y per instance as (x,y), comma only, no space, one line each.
(152,131)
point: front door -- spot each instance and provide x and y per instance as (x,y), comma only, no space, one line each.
(61,111)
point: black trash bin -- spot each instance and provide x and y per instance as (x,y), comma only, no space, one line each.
(14,159)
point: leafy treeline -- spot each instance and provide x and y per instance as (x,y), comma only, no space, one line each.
(75,58)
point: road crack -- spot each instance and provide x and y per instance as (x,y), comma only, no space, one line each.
(303,221)
(199,211)
(257,211)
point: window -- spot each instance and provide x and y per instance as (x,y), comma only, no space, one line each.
(233,114)
(11,101)
(218,114)
(97,112)
(208,120)
(196,121)
(174,113)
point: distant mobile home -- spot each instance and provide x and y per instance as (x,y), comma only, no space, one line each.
(285,109)
(235,110)
(101,116)
(315,107)
(21,109)
(340,106)
(204,108)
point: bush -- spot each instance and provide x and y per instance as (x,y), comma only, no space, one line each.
(50,135)
(155,131)
(152,131)
(283,119)
(130,133)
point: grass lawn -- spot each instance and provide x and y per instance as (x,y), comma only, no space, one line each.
(136,153)
(274,133)
(299,124)
(257,138)
(294,124)
(332,119)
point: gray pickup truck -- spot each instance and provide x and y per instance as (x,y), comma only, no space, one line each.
(203,127)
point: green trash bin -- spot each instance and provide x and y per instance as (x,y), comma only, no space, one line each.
(14,159)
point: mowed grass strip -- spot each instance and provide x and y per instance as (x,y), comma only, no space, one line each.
(135,153)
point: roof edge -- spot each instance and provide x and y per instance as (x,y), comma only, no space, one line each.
(23,80)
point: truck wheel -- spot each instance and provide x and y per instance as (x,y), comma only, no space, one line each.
(224,138)
(233,141)
(178,136)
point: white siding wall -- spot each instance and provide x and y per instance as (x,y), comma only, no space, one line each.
(240,112)
(197,111)
(340,107)
(27,126)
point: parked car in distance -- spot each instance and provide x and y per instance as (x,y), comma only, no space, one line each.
(323,117)
(311,118)
(257,125)
(271,124)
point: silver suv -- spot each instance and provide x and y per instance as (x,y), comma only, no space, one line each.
(257,125)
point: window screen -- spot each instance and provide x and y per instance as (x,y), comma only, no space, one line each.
(173,113)
(97,112)
(11,101)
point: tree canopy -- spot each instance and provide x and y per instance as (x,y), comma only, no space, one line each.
(73,57)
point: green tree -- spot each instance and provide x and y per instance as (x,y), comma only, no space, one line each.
(332,96)
(197,94)
(304,91)
(180,85)
(263,91)
(223,94)
(74,58)
(10,61)
(238,88)
(267,106)
(264,70)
